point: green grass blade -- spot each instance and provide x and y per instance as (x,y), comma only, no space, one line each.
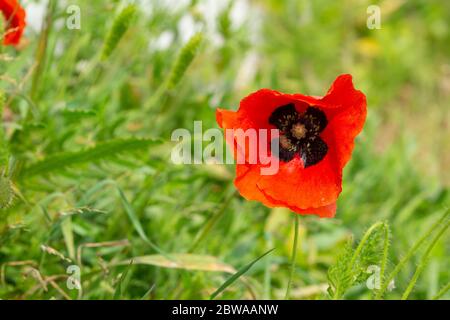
(136,224)
(149,291)
(118,291)
(441,293)
(67,231)
(237,275)
(101,151)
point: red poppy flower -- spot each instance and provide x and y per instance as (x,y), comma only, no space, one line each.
(15,21)
(315,143)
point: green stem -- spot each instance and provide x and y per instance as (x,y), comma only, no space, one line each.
(294,257)
(423,262)
(385,254)
(442,292)
(41,51)
(409,254)
(267,270)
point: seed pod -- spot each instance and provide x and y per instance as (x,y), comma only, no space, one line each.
(6,192)
(120,25)
(184,59)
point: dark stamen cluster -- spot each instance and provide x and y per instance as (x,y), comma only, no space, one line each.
(300,133)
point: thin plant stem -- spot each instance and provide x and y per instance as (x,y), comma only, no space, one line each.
(294,257)
(267,270)
(385,253)
(409,254)
(441,293)
(423,262)
(41,50)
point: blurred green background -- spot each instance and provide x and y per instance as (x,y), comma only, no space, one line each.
(124,198)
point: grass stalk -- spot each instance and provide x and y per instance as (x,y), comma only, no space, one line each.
(41,51)
(409,254)
(441,293)
(424,261)
(293,258)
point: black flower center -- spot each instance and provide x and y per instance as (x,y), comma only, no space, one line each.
(299,133)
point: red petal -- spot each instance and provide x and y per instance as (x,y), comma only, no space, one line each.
(328,211)
(246,183)
(15,15)
(347,119)
(306,191)
(317,186)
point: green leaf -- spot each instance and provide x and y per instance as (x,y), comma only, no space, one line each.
(101,151)
(136,224)
(340,274)
(237,275)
